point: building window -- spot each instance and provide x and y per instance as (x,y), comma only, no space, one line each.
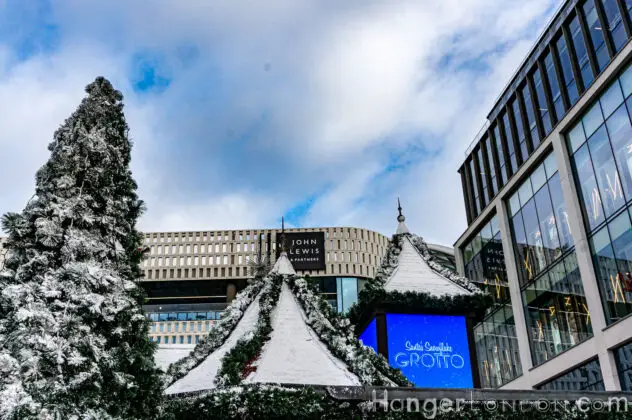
(601,148)
(556,311)
(505,172)
(539,221)
(556,93)
(623,355)
(615,23)
(495,337)
(596,33)
(612,255)
(188,339)
(540,99)
(582,54)
(553,297)
(510,144)
(497,348)
(528,106)
(485,262)
(583,378)
(346,293)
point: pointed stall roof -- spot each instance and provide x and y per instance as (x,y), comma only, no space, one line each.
(410,279)
(283,265)
(414,274)
(279,330)
(415,271)
(294,354)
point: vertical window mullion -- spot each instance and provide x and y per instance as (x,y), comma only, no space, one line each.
(572,54)
(466,198)
(536,107)
(491,188)
(625,18)
(590,49)
(514,134)
(473,187)
(561,81)
(547,93)
(477,173)
(605,28)
(525,121)
(503,143)
(497,165)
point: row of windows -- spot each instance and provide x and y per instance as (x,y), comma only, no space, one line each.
(539,221)
(497,351)
(553,298)
(223,272)
(241,259)
(343,244)
(349,233)
(600,145)
(586,377)
(162,326)
(567,66)
(182,339)
(183,316)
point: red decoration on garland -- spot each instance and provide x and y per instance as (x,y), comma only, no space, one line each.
(250,366)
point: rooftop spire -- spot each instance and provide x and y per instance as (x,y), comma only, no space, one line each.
(401,227)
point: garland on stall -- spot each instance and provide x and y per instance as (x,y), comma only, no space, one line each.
(217,334)
(258,401)
(424,251)
(337,333)
(248,348)
(374,293)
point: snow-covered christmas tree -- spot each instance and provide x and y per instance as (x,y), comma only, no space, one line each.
(278,334)
(73,339)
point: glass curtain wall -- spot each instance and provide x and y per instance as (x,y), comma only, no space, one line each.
(495,337)
(553,297)
(583,378)
(601,149)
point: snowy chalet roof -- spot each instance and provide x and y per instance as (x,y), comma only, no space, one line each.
(414,274)
(299,341)
(409,267)
(283,265)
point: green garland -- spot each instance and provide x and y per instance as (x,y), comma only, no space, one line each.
(249,347)
(415,302)
(216,336)
(337,333)
(273,402)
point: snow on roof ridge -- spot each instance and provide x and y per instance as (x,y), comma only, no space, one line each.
(294,353)
(414,273)
(283,265)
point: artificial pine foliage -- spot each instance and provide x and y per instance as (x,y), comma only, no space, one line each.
(73,338)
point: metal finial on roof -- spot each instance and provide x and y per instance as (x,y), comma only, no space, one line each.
(283,234)
(401,217)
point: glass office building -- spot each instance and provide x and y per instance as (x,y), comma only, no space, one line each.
(547,187)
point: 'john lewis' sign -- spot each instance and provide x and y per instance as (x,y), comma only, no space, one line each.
(306,250)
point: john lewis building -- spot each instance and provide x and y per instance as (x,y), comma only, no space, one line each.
(548,195)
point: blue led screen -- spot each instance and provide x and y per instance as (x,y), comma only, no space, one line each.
(369,336)
(431,350)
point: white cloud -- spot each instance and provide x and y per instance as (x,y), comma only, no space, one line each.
(343,79)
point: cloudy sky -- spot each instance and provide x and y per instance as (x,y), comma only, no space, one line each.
(243,111)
